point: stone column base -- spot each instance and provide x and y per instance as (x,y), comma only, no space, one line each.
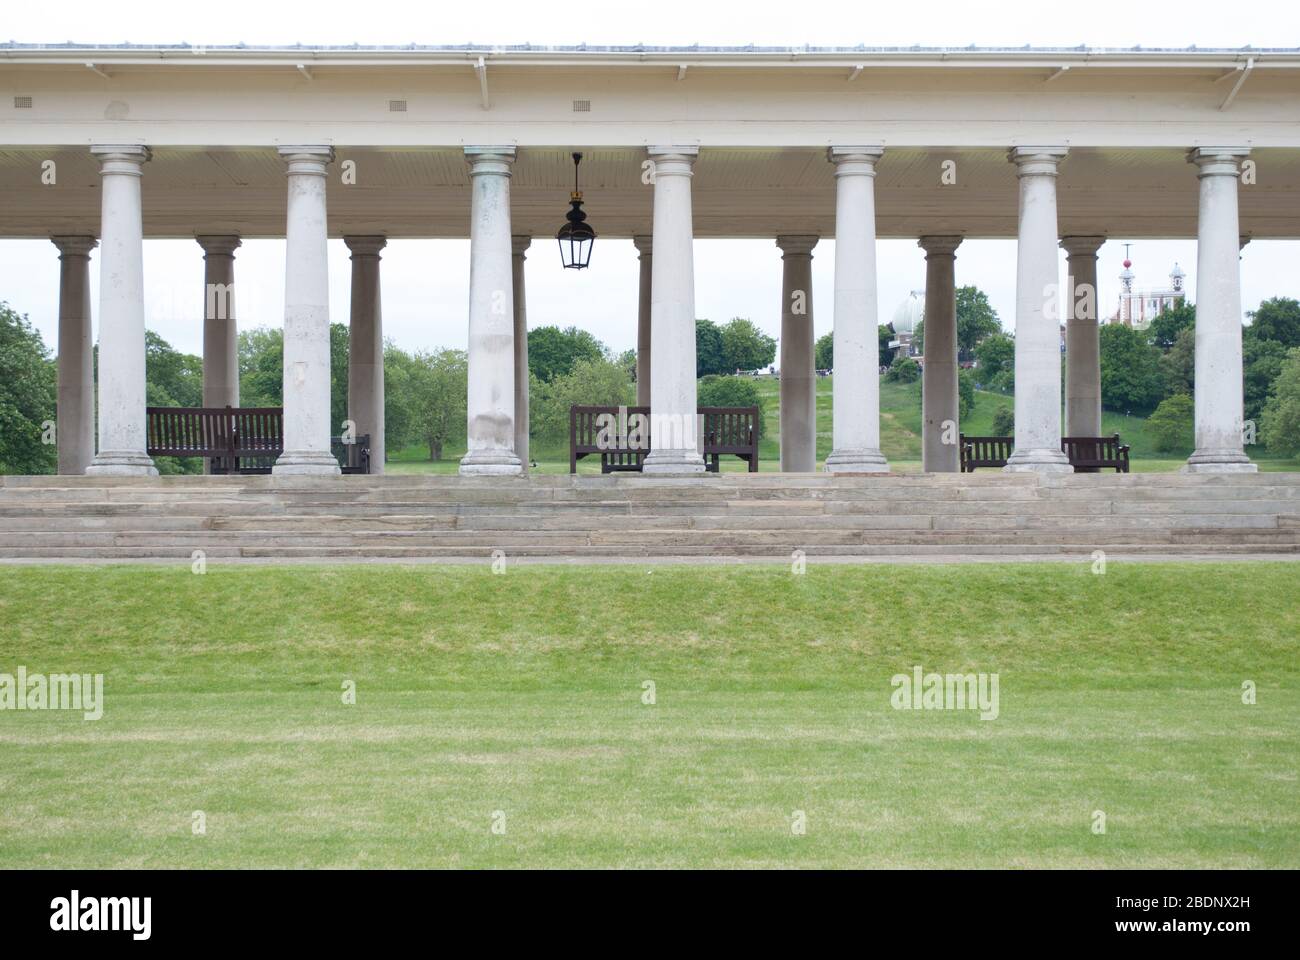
(122,463)
(856,461)
(1218,461)
(294,463)
(491,463)
(673,463)
(1040,460)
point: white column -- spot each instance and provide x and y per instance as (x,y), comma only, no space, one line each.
(1082,339)
(1218,391)
(1038,331)
(75,421)
(518,245)
(673,429)
(940,399)
(220,329)
(491,317)
(856,390)
(366,346)
(122,440)
(306,317)
(798,376)
(645,255)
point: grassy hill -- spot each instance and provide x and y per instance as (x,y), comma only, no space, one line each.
(900,434)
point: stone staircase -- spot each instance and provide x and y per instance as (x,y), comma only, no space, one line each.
(731,515)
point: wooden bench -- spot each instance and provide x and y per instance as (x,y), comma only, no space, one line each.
(1086,454)
(728,431)
(244,440)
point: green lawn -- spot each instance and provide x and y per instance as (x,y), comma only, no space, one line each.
(521,693)
(900,436)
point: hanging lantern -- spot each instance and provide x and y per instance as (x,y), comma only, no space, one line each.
(576,238)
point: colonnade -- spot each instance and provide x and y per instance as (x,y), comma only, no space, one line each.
(666,381)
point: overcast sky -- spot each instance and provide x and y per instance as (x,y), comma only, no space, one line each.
(425,282)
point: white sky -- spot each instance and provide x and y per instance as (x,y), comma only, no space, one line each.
(425,282)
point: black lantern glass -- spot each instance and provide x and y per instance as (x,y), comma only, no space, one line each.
(576,237)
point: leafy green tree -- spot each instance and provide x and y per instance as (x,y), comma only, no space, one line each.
(1131,376)
(627,360)
(1171,424)
(590,382)
(965,393)
(884,334)
(976,320)
(1277,319)
(438,392)
(172,378)
(745,347)
(995,359)
(401,417)
(824,352)
(261,367)
(1170,322)
(553,352)
(1178,363)
(1262,361)
(903,370)
(710,357)
(1279,424)
(338,377)
(1004,422)
(731,392)
(28,397)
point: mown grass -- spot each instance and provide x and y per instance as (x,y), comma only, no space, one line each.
(523,694)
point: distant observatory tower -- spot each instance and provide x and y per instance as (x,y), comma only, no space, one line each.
(1137,308)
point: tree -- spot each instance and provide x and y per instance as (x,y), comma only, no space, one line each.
(745,347)
(903,370)
(731,392)
(1131,377)
(1171,424)
(824,352)
(172,378)
(401,416)
(1277,319)
(884,334)
(553,352)
(995,359)
(440,385)
(627,360)
(710,358)
(596,382)
(976,320)
(1004,422)
(1179,363)
(1169,323)
(28,397)
(261,367)
(1279,424)
(1262,361)
(965,393)
(339,341)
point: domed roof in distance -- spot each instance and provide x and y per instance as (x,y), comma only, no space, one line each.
(910,312)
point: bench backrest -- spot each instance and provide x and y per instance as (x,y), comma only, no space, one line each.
(1083,452)
(236,439)
(726,430)
(984,451)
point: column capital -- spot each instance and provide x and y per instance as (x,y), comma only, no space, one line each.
(939,246)
(644,243)
(307,160)
(490,160)
(796,244)
(518,244)
(365,246)
(1082,246)
(1037,161)
(850,161)
(672,161)
(218,245)
(121,158)
(1217,161)
(74,246)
